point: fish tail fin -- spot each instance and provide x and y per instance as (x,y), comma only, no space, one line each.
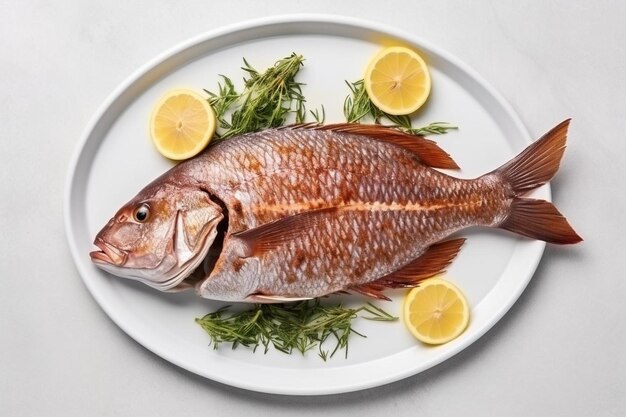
(532,168)
(539,219)
(538,163)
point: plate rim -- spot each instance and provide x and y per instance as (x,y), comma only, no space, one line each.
(310,18)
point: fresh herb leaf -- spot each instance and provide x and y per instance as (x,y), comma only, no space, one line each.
(434,128)
(223,100)
(377,313)
(319,118)
(266,101)
(358,106)
(299,326)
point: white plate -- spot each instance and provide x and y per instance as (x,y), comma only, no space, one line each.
(115,158)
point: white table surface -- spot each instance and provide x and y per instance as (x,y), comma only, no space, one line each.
(559,351)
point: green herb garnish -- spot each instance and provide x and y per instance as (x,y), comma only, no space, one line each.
(267,99)
(358,106)
(319,117)
(300,326)
(223,101)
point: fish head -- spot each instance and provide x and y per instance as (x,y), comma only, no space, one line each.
(160,236)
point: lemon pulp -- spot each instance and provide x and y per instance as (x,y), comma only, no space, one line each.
(182,124)
(397,80)
(436,311)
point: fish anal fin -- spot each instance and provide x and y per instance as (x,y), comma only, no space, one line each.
(269,236)
(426,150)
(372,290)
(432,262)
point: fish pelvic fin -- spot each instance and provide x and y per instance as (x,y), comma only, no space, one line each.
(428,152)
(432,262)
(532,168)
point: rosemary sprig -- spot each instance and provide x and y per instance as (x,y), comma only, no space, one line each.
(299,326)
(266,100)
(358,106)
(434,128)
(223,100)
(319,117)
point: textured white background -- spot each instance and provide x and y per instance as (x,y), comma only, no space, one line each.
(559,351)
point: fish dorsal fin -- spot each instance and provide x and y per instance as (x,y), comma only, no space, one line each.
(271,235)
(434,261)
(426,150)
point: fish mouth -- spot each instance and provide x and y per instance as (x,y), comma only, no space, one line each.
(108,254)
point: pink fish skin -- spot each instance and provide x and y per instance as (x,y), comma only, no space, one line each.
(306,211)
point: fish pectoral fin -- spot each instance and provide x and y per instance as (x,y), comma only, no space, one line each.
(268,299)
(426,150)
(432,262)
(271,235)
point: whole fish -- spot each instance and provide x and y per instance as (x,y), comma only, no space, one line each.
(305,211)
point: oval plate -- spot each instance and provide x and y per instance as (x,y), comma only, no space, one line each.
(115,158)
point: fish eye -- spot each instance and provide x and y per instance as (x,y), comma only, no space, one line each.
(142,213)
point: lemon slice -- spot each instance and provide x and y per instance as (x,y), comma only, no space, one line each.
(436,311)
(182,124)
(397,80)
